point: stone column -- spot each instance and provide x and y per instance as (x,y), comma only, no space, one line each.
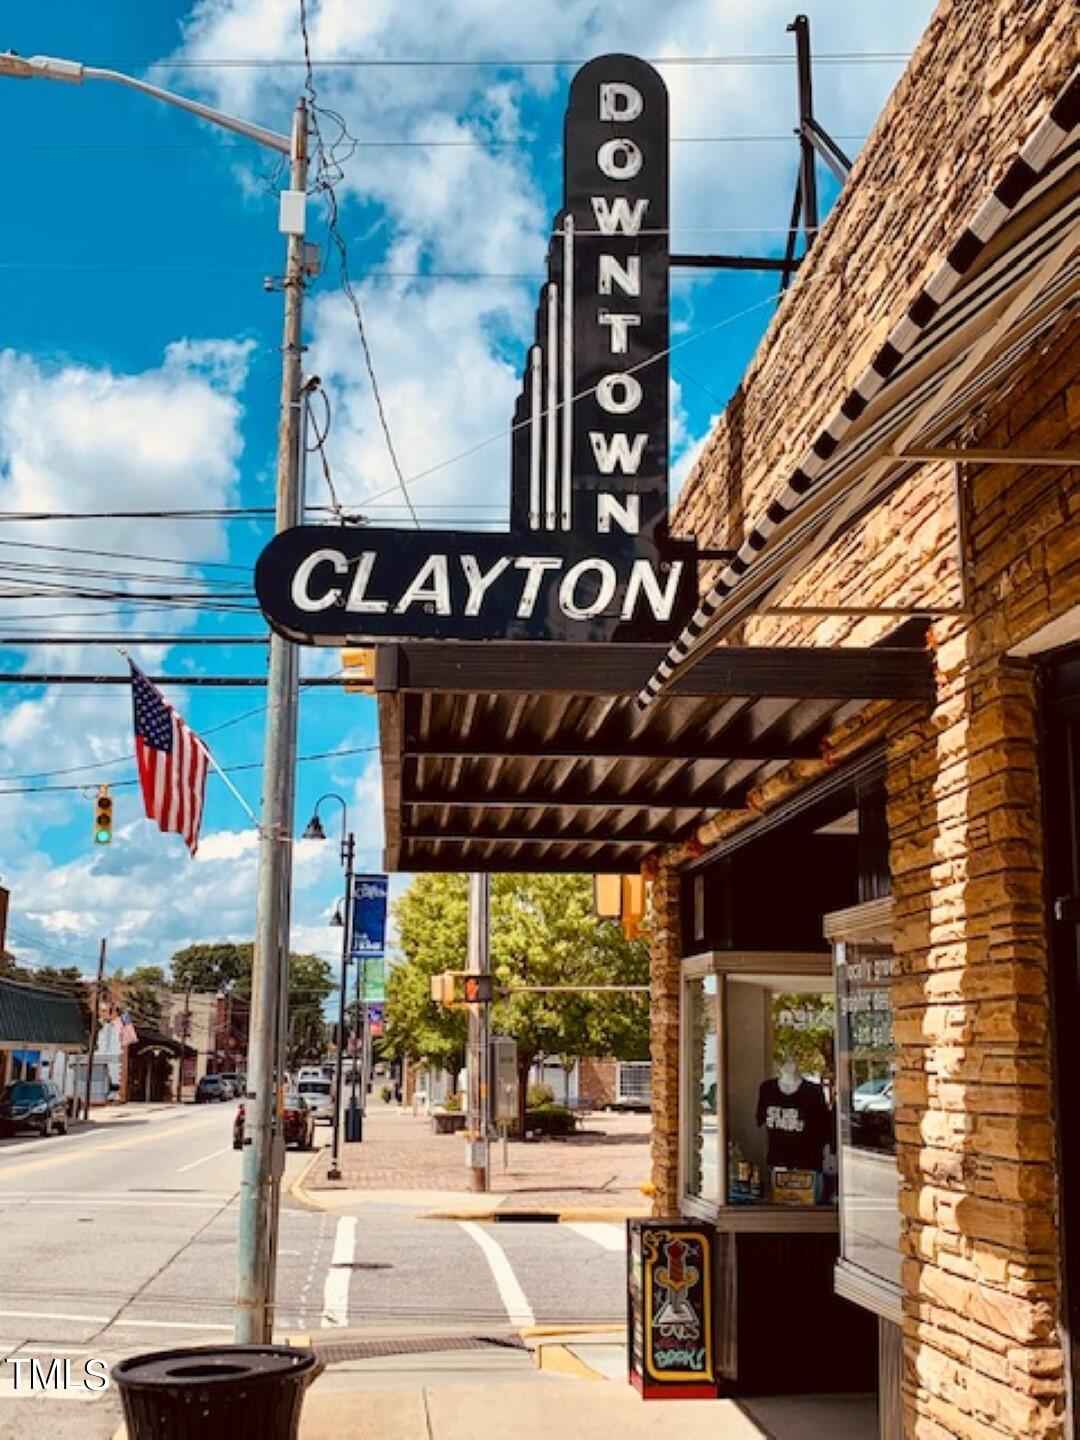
(664,974)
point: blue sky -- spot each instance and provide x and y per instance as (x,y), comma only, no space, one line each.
(139,360)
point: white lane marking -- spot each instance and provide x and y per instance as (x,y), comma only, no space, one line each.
(602,1232)
(155,1203)
(169,1325)
(510,1292)
(54,1315)
(339,1275)
(223,1151)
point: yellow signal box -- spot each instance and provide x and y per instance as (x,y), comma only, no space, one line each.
(103,816)
(360,663)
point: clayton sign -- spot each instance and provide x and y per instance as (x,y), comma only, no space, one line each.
(587,556)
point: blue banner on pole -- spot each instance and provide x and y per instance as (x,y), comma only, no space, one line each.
(369,915)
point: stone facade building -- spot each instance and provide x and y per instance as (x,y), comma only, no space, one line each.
(960,797)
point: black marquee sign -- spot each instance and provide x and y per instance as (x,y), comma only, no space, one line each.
(587,556)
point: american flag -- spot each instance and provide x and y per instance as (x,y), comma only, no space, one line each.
(173,762)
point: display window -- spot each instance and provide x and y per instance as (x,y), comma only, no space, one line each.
(759,1082)
(869,1268)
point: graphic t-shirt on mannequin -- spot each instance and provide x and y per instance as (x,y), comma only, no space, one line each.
(796,1119)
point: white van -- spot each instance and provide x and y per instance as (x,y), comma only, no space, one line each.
(318,1094)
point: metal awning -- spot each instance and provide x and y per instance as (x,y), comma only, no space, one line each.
(1009,277)
(34,1015)
(536,757)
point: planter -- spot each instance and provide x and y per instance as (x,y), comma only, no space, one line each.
(447,1122)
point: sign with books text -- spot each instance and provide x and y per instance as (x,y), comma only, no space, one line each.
(369,893)
(587,556)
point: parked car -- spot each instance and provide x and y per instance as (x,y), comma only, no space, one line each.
(33,1105)
(297,1120)
(319,1094)
(310,1072)
(237,1083)
(211,1087)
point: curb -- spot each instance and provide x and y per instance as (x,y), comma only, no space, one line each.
(613,1215)
(561,1360)
(297,1191)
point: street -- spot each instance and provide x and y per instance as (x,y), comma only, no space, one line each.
(121,1239)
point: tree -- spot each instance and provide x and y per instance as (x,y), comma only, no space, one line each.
(543,932)
(224,968)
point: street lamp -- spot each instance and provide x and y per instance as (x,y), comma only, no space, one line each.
(259,1192)
(314,831)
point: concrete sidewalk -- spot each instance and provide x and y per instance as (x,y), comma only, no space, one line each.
(401,1161)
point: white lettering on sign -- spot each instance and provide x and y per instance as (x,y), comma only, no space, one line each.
(643,581)
(612,272)
(611,510)
(619,159)
(619,101)
(612,450)
(534,567)
(431,586)
(618,394)
(358,603)
(302,597)
(619,325)
(568,603)
(479,581)
(615,217)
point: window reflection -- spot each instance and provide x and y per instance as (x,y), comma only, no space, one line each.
(703,1098)
(867,1068)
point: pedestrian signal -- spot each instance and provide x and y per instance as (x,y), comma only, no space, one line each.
(479,990)
(103,816)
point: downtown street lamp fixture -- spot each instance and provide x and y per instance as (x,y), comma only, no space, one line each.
(314,830)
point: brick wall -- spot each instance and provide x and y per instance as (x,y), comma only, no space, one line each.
(975,1120)
(976,1123)
(664,980)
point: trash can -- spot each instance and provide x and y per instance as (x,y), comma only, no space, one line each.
(255,1390)
(354,1121)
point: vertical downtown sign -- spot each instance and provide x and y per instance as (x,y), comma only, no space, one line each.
(587,556)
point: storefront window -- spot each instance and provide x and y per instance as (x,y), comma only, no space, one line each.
(870,1210)
(701,1061)
(780,1129)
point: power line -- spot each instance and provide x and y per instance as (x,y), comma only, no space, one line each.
(228,769)
(480,143)
(837,57)
(121,555)
(328,173)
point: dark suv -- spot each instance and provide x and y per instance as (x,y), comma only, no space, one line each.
(33,1105)
(212,1087)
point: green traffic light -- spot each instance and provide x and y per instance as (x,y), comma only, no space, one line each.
(103,837)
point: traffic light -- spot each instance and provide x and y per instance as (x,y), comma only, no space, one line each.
(479,989)
(362,661)
(103,816)
(442,988)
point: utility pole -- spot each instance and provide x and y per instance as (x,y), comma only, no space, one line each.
(185,1026)
(800,27)
(334,1173)
(254,1267)
(479,1047)
(94,1028)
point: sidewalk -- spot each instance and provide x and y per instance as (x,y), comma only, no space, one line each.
(600,1169)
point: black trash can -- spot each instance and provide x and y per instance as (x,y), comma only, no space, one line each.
(234,1390)
(354,1121)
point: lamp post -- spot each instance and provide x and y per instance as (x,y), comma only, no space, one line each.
(258,1197)
(315,831)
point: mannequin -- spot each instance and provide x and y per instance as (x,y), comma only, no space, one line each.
(790,1077)
(795,1115)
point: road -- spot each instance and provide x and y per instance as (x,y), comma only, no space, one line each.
(121,1239)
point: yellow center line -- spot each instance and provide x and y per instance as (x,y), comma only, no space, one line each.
(52,1162)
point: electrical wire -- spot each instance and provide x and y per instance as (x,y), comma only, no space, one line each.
(321,437)
(835,57)
(228,769)
(120,555)
(328,174)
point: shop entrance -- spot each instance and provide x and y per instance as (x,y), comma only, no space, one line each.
(1061,789)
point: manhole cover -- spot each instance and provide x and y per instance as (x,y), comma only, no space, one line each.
(421,1345)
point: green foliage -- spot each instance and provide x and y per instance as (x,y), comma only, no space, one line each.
(543,932)
(452,1102)
(804,1031)
(538,1095)
(550,1120)
(224,968)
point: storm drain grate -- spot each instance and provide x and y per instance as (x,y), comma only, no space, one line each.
(423,1345)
